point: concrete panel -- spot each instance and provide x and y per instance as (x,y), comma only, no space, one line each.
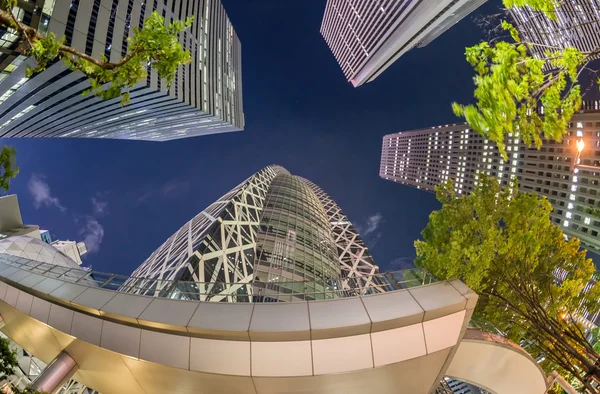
(168,314)
(93,299)
(87,328)
(165,349)
(67,292)
(341,317)
(56,27)
(61,10)
(215,356)
(126,306)
(60,318)
(222,320)
(463,289)
(438,299)
(11,296)
(8,271)
(282,358)
(392,310)
(280,321)
(24,301)
(3,287)
(443,332)
(48,285)
(40,310)
(120,338)
(398,344)
(498,365)
(32,280)
(18,275)
(342,354)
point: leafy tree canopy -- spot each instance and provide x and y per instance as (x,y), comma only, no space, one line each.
(8,362)
(503,245)
(8,166)
(156,45)
(511,84)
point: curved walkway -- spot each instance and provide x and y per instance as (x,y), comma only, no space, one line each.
(394,342)
(496,364)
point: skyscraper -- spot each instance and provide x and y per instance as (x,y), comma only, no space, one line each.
(366,37)
(72,249)
(11,222)
(271,230)
(424,158)
(204,98)
(577,25)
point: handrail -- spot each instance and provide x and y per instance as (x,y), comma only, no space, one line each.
(250,291)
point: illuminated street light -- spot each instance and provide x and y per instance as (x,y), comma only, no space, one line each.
(580,145)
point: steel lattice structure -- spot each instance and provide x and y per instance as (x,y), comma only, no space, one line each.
(354,257)
(274,227)
(217,245)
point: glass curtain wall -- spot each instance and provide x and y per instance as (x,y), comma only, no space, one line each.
(295,249)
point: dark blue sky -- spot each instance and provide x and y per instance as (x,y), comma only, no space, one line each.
(300,113)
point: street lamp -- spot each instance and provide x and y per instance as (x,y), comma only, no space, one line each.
(580,145)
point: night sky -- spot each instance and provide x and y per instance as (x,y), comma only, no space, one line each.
(127,197)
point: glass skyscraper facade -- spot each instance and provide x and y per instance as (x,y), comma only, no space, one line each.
(576,25)
(366,37)
(205,96)
(274,237)
(424,158)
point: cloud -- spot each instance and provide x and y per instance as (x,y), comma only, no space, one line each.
(92,233)
(374,240)
(373,223)
(100,207)
(402,263)
(174,187)
(145,196)
(171,188)
(40,192)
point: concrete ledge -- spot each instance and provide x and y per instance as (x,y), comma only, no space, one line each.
(268,341)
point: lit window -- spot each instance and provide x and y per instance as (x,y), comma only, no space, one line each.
(587,220)
(575,178)
(579,133)
(566,223)
(580,124)
(572,197)
(568,215)
(574,188)
(515,155)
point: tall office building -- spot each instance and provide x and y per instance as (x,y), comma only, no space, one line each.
(366,37)
(45,236)
(11,222)
(577,25)
(424,158)
(271,230)
(204,98)
(72,249)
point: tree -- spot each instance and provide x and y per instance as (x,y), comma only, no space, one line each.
(531,281)
(515,77)
(8,362)
(8,166)
(155,45)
